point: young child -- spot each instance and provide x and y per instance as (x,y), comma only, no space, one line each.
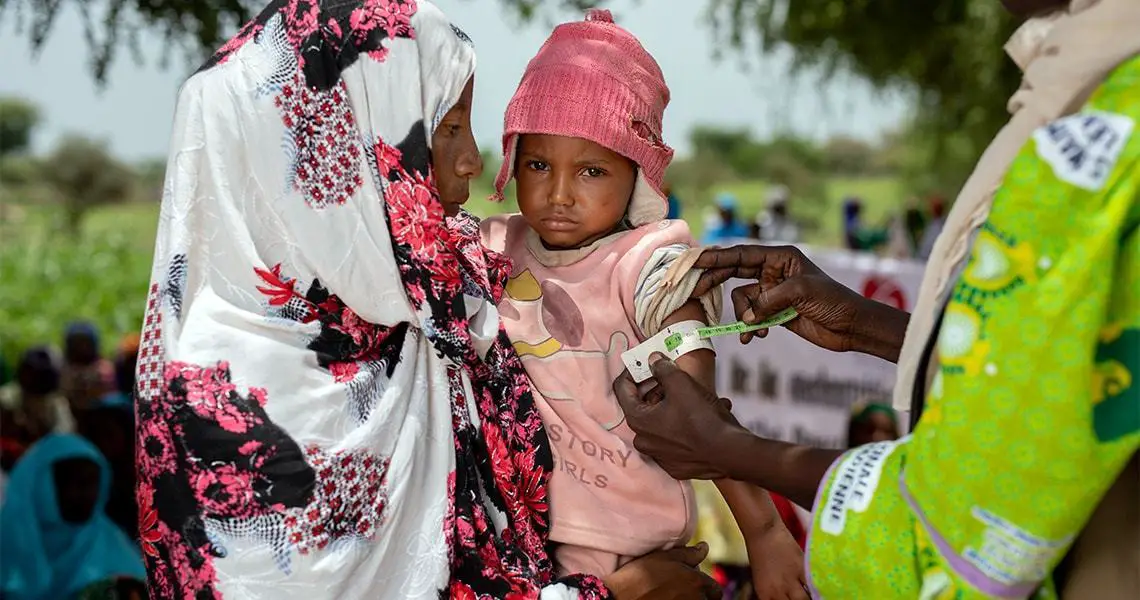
(592,256)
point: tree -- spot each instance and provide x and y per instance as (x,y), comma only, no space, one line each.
(85,175)
(844,155)
(18,121)
(948,51)
(198,26)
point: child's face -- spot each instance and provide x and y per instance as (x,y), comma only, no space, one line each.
(454,154)
(571,191)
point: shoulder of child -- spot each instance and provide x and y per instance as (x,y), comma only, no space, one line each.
(641,246)
(495,231)
(668,232)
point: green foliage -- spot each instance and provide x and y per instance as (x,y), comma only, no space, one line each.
(19,170)
(848,156)
(18,121)
(102,273)
(196,26)
(948,51)
(51,278)
(720,156)
(85,175)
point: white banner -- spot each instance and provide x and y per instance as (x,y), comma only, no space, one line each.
(783,387)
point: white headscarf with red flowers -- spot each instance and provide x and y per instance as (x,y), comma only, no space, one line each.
(327,405)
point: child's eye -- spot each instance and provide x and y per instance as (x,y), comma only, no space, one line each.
(537,165)
(593,172)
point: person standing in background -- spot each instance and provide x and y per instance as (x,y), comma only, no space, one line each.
(32,405)
(870,423)
(674,203)
(728,226)
(774,224)
(858,237)
(125,363)
(915,223)
(86,376)
(934,228)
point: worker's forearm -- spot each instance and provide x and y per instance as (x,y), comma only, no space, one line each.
(879,330)
(791,470)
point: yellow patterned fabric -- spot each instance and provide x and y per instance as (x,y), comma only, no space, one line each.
(717,527)
(1035,406)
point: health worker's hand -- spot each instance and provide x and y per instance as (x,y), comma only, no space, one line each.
(683,426)
(831,315)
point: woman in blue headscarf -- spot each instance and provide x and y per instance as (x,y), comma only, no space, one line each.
(58,543)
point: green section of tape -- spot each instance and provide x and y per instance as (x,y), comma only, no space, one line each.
(674,341)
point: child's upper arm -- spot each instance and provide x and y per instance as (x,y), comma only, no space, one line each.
(700,364)
(661,281)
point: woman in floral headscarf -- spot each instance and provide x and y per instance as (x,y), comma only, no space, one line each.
(327,405)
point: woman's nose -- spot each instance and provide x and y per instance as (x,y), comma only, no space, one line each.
(470,164)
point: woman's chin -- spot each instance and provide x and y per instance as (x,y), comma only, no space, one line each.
(451,209)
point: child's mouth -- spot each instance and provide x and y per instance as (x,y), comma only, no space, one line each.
(559,224)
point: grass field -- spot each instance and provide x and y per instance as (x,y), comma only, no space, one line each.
(102,274)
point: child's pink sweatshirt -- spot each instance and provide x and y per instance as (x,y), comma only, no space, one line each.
(570,315)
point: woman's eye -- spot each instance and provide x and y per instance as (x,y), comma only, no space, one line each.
(593,172)
(454,129)
(537,165)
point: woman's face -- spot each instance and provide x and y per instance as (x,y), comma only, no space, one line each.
(877,427)
(80,349)
(571,191)
(77,483)
(454,154)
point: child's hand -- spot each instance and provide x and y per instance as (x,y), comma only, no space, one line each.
(665,575)
(777,565)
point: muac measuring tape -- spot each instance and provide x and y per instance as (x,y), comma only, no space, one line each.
(682,338)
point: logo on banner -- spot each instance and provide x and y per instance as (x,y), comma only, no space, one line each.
(885,290)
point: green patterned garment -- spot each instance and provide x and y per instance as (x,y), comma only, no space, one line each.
(1035,407)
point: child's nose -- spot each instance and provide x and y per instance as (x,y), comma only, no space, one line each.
(561,193)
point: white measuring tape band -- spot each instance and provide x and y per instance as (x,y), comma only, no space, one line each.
(636,359)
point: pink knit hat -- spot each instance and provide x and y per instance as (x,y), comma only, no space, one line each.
(594,80)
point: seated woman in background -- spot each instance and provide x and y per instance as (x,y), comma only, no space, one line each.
(110,426)
(86,376)
(58,543)
(872,422)
(31,406)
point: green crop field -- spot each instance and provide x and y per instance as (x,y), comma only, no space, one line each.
(102,274)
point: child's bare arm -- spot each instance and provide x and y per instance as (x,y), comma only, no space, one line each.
(751,506)
(777,561)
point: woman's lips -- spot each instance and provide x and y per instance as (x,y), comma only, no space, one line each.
(559,224)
